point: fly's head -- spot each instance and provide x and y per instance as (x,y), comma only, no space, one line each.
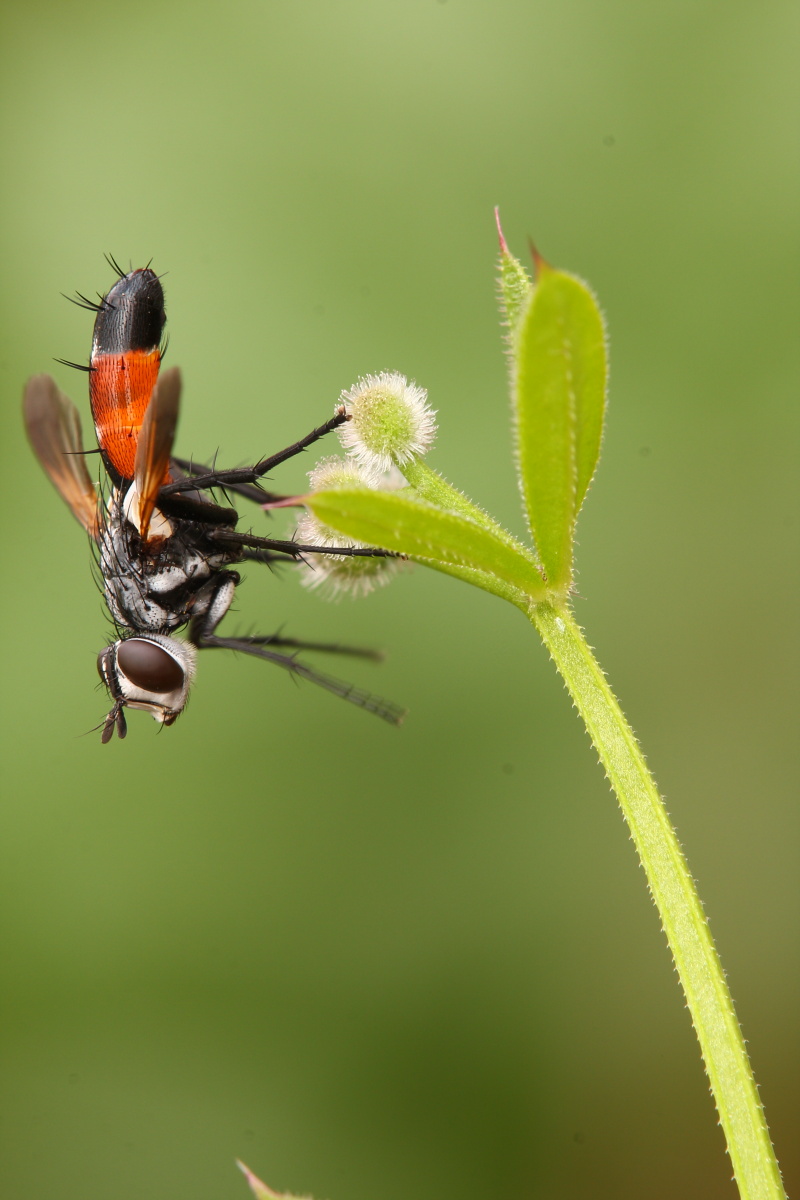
(150,671)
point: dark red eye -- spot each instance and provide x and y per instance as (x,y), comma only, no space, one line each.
(149,667)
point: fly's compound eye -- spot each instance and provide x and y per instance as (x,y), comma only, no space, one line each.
(152,673)
(149,666)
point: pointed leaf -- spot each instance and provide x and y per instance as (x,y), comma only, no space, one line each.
(515,286)
(480,579)
(396,521)
(431,486)
(559,398)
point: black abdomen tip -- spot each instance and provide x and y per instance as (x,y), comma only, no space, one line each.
(132,315)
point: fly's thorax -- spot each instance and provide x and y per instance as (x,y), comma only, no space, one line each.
(159,585)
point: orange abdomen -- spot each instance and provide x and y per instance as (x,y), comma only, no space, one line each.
(120,386)
(125,359)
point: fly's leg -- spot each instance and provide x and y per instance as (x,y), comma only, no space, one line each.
(250,475)
(212,603)
(267,557)
(275,639)
(251,491)
(346,691)
(228,537)
(219,599)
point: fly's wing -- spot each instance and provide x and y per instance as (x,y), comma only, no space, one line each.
(153,450)
(54,431)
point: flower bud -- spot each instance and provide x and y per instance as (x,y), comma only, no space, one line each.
(390,422)
(334,573)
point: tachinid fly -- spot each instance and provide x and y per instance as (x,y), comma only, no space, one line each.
(165,548)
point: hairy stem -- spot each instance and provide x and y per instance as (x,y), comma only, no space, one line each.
(672,887)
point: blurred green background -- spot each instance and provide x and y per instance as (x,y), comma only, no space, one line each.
(375,963)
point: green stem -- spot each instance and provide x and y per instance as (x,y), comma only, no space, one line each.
(707,995)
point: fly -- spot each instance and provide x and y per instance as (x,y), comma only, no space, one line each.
(165,548)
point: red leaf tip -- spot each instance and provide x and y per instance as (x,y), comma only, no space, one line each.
(258,1188)
(284,502)
(540,264)
(503,244)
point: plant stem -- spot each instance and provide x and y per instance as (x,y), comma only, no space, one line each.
(707,995)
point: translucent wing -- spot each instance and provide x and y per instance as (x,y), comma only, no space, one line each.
(54,431)
(151,469)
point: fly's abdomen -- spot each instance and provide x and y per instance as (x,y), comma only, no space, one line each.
(126,356)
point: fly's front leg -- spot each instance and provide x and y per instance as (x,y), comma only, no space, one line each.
(216,603)
(259,648)
(277,639)
(211,605)
(249,475)
(217,600)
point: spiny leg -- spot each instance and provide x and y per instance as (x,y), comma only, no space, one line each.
(296,549)
(215,601)
(267,557)
(202,635)
(249,475)
(275,639)
(346,691)
(251,491)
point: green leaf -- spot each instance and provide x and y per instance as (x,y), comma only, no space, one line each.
(480,579)
(559,398)
(431,486)
(397,521)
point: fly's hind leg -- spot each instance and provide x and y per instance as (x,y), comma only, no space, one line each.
(242,478)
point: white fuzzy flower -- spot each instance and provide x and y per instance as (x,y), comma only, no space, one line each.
(335,573)
(336,472)
(390,422)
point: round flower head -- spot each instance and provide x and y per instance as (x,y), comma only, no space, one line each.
(390,422)
(333,572)
(336,472)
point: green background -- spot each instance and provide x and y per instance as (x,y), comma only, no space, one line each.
(379,963)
